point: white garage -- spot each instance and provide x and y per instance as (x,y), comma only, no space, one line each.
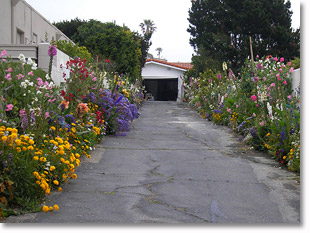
(163,80)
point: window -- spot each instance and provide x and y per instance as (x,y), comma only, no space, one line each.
(20,37)
(34,38)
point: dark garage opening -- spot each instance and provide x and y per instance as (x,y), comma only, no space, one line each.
(162,89)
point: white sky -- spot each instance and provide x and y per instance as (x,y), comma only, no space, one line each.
(169,16)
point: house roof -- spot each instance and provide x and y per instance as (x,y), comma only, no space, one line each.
(181,65)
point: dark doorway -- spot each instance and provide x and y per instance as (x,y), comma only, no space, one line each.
(162,89)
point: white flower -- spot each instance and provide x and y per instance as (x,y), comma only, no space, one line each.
(34,66)
(22,58)
(224,66)
(29,61)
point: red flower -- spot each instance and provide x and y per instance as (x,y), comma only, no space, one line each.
(63,93)
(108,61)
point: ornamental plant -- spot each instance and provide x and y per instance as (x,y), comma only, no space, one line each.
(46,130)
(258,103)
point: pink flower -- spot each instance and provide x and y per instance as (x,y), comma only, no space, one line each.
(30,73)
(47,115)
(94,79)
(3,53)
(255,79)
(40,82)
(219,76)
(8,77)
(228,110)
(9,70)
(254,98)
(280,70)
(289,63)
(275,59)
(284,82)
(264,78)
(237,105)
(291,70)
(272,85)
(9,107)
(289,97)
(282,59)
(20,76)
(262,123)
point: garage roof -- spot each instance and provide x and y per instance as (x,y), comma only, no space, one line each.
(180,65)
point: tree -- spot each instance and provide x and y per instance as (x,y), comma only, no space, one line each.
(108,40)
(221,29)
(148,28)
(159,50)
(69,28)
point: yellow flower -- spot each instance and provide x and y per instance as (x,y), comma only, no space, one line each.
(56,207)
(56,182)
(24,148)
(4,138)
(74,176)
(18,149)
(52,168)
(36,174)
(284,157)
(42,159)
(18,142)
(50,208)
(30,148)
(53,128)
(35,157)
(45,208)
(268,134)
(31,142)
(59,189)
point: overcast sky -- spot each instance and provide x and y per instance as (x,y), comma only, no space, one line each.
(169,16)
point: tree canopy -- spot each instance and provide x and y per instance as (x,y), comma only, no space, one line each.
(220,30)
(127,49)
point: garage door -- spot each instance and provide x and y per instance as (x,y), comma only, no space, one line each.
(162,89)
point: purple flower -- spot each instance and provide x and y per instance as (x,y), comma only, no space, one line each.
(283,134)
(52,51)
(118,100)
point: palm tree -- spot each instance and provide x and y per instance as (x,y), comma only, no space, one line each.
(159,50)
(148,28)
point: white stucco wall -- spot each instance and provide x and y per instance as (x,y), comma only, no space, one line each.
(296,80)
(59,60)
(153,70)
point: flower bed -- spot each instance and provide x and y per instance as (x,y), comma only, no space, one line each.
(46,130)
(258,104)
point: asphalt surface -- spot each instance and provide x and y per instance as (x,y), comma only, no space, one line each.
(175,167)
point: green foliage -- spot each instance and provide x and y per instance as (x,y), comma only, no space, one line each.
(73,50)
(69,28)
(220,30)
(258,104)
(111,41)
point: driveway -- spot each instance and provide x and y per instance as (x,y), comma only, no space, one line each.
(175,167)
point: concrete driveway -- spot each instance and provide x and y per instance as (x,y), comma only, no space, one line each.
(175,167)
